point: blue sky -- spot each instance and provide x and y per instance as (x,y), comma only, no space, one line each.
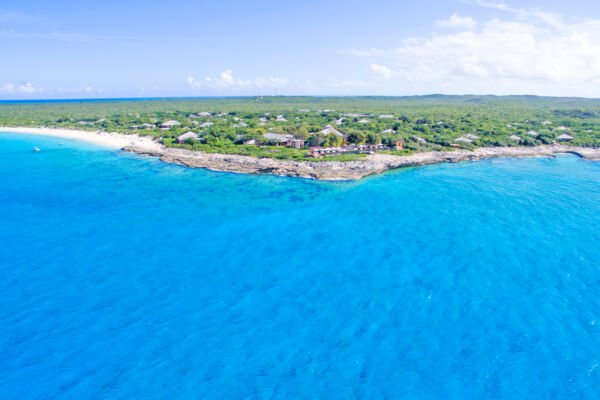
(73,49)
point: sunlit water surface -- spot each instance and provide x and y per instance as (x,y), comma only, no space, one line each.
(123,277)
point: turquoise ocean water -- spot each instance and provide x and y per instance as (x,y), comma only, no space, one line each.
(123,277)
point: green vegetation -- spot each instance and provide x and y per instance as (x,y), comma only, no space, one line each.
(278,152)
(423,123)
(343,157)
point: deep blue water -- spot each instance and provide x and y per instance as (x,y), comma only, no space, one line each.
(123,277)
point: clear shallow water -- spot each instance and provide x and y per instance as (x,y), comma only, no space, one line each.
(123,277)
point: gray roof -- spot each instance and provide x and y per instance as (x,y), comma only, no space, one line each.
(171,122)
(463,139)
(278,137)
(188,135)
(564,136)
(354,115)
(330,129)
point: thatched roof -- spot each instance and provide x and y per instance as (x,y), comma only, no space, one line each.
(187,135)
(330,129)
(564,136)
(170,123)
(278,137)
(463,139)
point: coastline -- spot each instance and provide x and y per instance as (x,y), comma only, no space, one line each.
(106,139)
(322,170)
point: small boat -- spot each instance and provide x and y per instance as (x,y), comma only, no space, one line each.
(36,149)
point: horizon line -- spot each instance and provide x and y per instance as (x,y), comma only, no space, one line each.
(58,100)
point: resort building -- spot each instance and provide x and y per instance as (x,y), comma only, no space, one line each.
(279,139)
(330,129)
(354,115)
(463,139)
(169,124)
(384,116)
(564,138)
(188,135)
(298,143)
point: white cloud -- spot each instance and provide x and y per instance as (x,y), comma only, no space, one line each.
(363,53)
(511,50)
(526,50)
(269,82)
(381,71)
(226,80)
(456,21)
(21,89)
(13,16)
(80,90)
(549,18)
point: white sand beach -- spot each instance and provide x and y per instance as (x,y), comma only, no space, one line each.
(108,139)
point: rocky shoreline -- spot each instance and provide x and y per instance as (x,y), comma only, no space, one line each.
(349,170)
(322,170)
